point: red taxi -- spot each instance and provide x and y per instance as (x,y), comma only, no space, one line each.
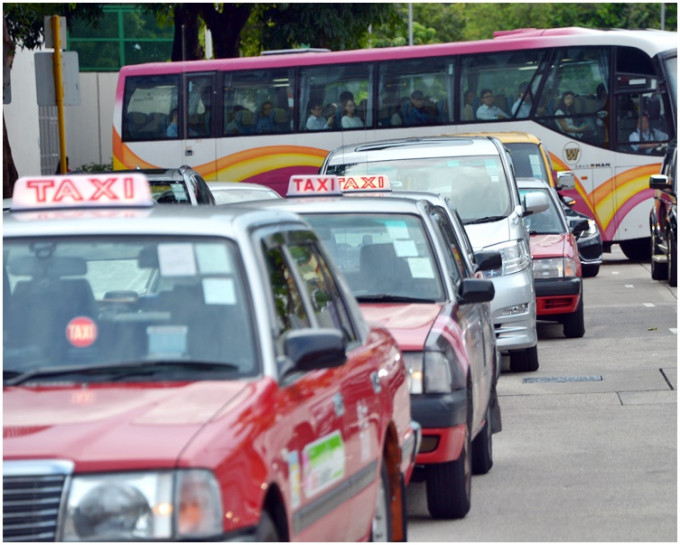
(173,373)
(555,261)
(407,267)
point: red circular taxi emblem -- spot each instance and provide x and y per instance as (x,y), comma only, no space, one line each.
(81,331)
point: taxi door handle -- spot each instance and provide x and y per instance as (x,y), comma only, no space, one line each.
(338,404)
(375,381)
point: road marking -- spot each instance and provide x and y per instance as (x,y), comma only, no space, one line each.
(673,330)
(649,304)
(615,272)
(629,285)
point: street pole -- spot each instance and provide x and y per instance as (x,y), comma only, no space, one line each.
(59,93)
(410,23)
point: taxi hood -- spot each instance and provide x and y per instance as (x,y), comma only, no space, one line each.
(133,426)
(409,324)
(483,235)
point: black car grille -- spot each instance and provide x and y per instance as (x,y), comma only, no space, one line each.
(31,507)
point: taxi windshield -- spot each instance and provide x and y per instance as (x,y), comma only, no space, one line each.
(382,256)
(547,222)
(477,185)
(97,305)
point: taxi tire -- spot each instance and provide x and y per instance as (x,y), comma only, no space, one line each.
(659,270)
(590,271)
(449,484)
(524,361)
(574,325)
(266,529)
(672,260)
(482,445)
(382,517)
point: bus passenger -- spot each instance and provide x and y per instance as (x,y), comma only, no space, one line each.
(349,120)
(171,131)
(469,107)
(522,106)
(565,107)
(644,133)
(265,119)
(316,121)
(488,110)
(415,112)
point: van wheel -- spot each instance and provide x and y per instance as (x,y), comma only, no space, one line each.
(574,325)
(523,361)
(381,527)
(449,484)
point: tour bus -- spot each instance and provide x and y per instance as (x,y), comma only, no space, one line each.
(583,92)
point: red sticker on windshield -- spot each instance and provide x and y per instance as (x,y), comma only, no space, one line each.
(81,331)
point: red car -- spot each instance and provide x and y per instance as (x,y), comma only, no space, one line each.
(556,264)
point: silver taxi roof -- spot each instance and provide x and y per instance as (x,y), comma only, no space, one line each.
(348,203)
(226,221)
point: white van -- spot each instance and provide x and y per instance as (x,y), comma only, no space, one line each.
(475,176)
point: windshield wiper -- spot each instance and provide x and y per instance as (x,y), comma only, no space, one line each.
(486,219)
(13,378)
(388,298)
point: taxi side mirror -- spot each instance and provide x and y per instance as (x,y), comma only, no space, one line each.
(488,261)
(311,349)
(475,290)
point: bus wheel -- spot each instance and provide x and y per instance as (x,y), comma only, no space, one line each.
(638,249)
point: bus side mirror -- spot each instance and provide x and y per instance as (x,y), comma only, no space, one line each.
(660,182)
(566,180)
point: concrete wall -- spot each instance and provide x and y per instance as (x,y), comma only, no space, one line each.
(88,126)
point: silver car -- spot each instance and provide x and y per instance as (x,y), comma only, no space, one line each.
(474,173)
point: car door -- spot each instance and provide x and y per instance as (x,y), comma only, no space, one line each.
(470,317)
(360,387)
(309,434)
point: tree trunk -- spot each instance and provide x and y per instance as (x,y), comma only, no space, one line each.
(186,45)
(226,27)
(9,171)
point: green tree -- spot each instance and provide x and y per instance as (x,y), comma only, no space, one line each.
(23,27)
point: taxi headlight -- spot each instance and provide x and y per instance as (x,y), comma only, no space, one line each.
(433,372)
(515,255)
(143,506)
(554,267)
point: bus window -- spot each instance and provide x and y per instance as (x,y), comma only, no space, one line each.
(512,79)
(584,72)
(400,80)
(330,85)
(642,124)
(147,105)
(257,102)
(200,106)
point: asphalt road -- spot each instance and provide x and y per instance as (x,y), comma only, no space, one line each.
(588,450)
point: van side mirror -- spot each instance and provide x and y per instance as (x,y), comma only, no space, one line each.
(566,180)
(535,202)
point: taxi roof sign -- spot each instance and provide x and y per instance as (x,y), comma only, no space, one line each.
(82,191)
(318,185)
(313,185)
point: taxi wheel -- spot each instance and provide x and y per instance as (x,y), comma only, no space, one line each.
(590,271)
(574,325)
(482,445)
(381,527)
(266,529)
(659,270)
(523,361)
(672,260)
(449,485)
